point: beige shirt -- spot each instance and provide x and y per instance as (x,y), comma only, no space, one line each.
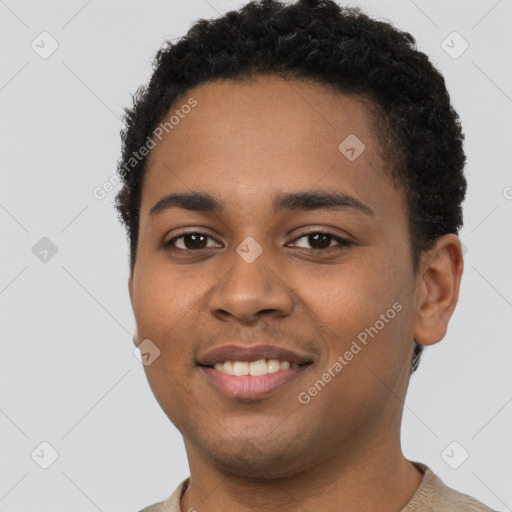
(432,496)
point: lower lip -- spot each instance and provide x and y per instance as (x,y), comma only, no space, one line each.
(248,386)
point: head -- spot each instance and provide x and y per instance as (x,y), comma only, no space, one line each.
(324,140)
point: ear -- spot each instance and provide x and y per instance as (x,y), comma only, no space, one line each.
(130,288)
(438,287)
(130,291)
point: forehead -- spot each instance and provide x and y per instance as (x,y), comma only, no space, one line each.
(235,115)
(244,140)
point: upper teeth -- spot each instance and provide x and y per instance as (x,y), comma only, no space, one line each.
(260,367)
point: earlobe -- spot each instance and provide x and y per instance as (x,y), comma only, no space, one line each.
(438,289)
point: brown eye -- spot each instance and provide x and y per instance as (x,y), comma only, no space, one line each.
(315,241)
(190,241)
(320,241)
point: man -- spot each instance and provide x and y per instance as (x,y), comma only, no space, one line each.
(292,189)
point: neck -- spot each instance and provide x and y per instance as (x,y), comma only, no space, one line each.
(373,479)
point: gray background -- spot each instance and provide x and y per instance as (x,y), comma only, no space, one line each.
(68,373)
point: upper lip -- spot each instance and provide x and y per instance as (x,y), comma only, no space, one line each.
(251,353)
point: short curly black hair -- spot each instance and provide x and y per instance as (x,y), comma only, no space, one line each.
(338,47)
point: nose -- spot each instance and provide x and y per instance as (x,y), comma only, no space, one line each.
(251,291)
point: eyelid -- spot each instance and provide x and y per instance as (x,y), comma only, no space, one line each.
(341,241)
(324,231)
(200,231)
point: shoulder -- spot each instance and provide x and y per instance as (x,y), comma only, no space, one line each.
(434,495)
(457,501)
(172,503)
(156,507)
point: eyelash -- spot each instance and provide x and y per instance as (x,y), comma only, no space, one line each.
(342,242)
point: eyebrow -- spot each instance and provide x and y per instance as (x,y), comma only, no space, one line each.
(294,201)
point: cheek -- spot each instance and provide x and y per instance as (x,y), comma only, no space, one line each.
(169,391)
(353,294)
(363,319)
(164,299)
(167,313)
(363,304)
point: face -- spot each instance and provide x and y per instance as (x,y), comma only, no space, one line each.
(268,260)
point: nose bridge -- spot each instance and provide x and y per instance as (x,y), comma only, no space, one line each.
(253,285)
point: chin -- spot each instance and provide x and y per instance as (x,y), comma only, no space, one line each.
(256,459)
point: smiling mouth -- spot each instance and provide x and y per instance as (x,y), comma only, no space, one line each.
(251,380)
(254,368)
